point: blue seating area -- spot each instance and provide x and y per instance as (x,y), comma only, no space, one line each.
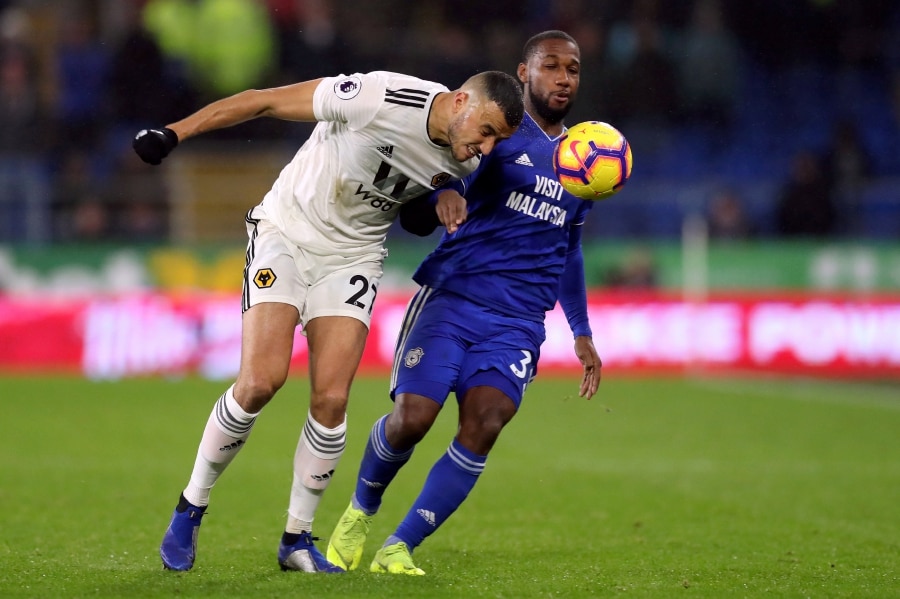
(657,209)
(879,209)
(780,114)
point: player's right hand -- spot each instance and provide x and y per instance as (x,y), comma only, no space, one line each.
(451,209)
(590,360)
(152,145)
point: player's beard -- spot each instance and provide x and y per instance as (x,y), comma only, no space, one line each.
(545,112)
(452,130)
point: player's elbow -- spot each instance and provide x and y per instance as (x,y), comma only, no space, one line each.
(419,217)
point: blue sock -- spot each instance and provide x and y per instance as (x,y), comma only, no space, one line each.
(380,463)
(447,486)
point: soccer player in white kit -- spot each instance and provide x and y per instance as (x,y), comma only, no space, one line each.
(315,256)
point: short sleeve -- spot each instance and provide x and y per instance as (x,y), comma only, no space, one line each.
(351,99)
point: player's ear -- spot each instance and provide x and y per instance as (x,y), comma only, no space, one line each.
(522,72)
(460,100)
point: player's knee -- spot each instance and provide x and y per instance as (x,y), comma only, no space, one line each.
(328,407)
(409,422)
(491,426)
(253,392)
(479,433)
(486,430)
(406,431)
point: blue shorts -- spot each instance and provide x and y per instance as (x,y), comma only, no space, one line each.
(448,343)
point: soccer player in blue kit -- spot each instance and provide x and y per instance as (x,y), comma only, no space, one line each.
(512,249)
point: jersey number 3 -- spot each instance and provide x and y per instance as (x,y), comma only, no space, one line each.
(522,369)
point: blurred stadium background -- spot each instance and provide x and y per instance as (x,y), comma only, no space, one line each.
(760,230)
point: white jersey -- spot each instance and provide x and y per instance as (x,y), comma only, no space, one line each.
(369,153)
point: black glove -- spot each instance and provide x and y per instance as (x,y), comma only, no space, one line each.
(152,145)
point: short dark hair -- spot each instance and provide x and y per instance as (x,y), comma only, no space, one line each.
(504,90)
(531,46)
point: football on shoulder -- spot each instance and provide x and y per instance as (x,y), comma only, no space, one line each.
(593,160)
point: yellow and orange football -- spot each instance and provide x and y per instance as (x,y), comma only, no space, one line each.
(593,160)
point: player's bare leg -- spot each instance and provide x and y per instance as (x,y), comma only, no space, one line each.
(336,344)
(267,342)
(266,345)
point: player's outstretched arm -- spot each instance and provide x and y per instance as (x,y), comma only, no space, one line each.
(289,103)
(590,360)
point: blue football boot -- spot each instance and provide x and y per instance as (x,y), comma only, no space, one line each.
(179,544)
(297,552)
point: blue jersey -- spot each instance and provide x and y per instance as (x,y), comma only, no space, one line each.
(510,253)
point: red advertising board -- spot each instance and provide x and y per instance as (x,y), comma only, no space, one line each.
(136,335)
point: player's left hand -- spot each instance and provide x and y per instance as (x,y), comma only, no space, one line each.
(451,209)
(590,360)
(152,145)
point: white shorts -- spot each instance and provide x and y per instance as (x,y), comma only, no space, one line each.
(317,285)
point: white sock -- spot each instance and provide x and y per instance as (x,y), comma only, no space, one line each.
(225,434)
(318,452)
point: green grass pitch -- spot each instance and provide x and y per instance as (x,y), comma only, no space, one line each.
(658,487)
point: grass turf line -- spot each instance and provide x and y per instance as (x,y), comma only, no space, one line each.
(655,488)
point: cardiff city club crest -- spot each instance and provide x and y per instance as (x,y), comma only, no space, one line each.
(413,357)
